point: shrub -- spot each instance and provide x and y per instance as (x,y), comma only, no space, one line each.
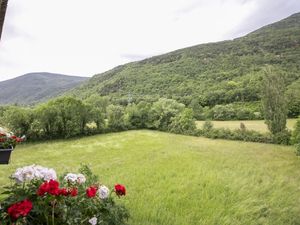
(296,137)
(296,133)
(224,112)
(162,112)
(207,126)
(297,149)
(183,123)
(115,117)
(242,126)
(283,137)
(241,135)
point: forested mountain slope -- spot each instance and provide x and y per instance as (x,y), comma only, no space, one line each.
(213,73)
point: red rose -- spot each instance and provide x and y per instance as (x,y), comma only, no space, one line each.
(91,192)
(13,137)
(19,139)
(73,192)
(63,192)
(2,139)
(19,209)
(2,134)
(120,189)
(53,187)
(43,189)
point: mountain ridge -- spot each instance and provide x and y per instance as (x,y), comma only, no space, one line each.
(36,87)
(212,73)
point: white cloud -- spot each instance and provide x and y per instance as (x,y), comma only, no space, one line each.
(88,37)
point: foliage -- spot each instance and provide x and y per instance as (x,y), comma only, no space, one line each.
(297,149)
(296,132)
(273,100)
(63,117)
(137,115)
(296,137)
(68,117)
(183,123)
(36,197)
(223,112)
(18,119)
(293,99)
(282,137)
(232,111)
(162,112)
(197,109)
(239,134)
(115,117)
(207,126)
(207,74)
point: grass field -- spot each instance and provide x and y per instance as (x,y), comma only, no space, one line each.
(258,125)
(182,180)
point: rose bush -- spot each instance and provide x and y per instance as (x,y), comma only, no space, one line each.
(37,197)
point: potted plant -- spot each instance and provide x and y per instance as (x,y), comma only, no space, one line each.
(8,142)
(38,196)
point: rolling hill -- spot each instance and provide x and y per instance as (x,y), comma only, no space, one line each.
(213,73)
(36,87)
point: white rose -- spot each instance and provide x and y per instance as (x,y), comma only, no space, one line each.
(38,172)
(18,175)
(24,174)
(71,177)
(28,173)
(93,221)
(81,178)
(49,174)
(103,192)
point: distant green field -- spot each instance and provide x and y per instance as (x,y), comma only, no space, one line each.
(258,125)
(182,180)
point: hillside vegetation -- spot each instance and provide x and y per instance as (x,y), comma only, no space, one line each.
(175,180)
(36,87)
(209,74)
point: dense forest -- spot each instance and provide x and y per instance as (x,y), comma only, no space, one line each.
(209,75)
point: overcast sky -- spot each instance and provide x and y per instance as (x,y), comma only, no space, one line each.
(86,37)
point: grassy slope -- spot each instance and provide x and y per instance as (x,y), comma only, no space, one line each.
(177,180)
(258,125)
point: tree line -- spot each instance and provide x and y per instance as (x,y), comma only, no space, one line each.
(69,117)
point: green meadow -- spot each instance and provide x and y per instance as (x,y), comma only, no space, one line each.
(181,180)
(257,125)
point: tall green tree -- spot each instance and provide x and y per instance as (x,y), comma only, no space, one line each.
(18,119)
(115,117)
(273,100)
(162,112)
(183,123)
